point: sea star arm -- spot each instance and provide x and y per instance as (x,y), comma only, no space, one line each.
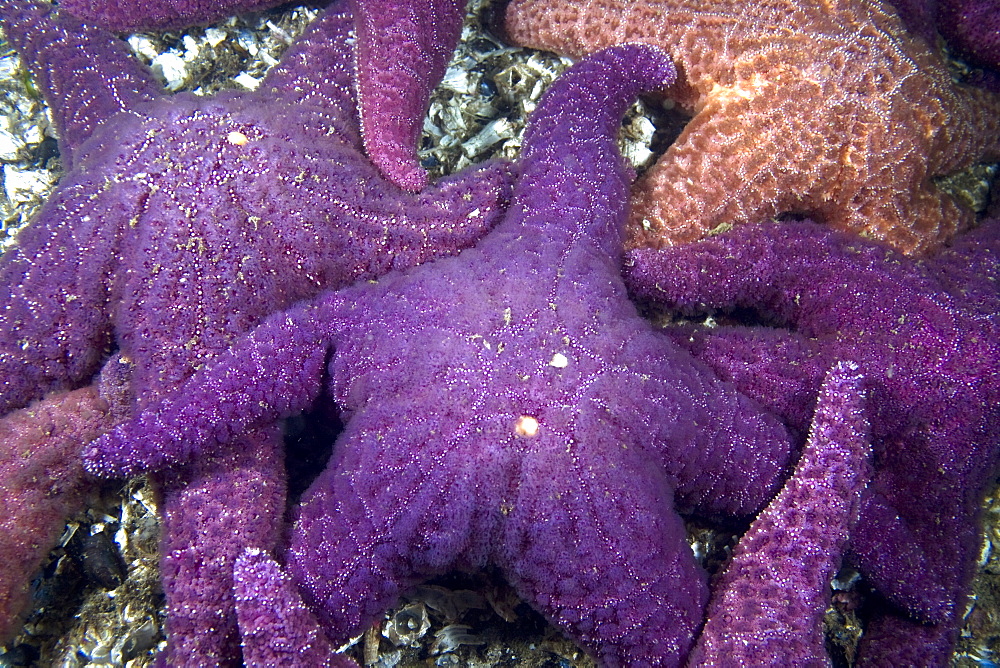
(390,229)
(42,483)
(770,601)
(54,326)
(276,626)
(783,372)
(87,76)
(892,639)
(731,457)
(969,269)
(275,371)
(922,354)
(315,75)
(771,366)
(705,180)
(402,51)
(212,510)
(159,14)
(42,480)
(632,592)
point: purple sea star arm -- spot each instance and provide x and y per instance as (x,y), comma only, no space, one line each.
(926,343)
(88,77)
(771,599)
(783,372)
(974,27)
(159,14)
(632,593)
(969,269)
(213,509)
(314,75)
(274,372)
(756,360)
(893,640)
(402,51)
(54,327)
(277,628)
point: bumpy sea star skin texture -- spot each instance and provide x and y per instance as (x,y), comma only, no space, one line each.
(770,601)
(402,49)
(507,406)
(925,335)
(159,14)
(182,222)
(276,626)
(974,27)
(43,480)
(828,109)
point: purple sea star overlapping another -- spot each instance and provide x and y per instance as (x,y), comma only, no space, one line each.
(508,407)
(926,334)
(513,398)
(182,221)
(402,50)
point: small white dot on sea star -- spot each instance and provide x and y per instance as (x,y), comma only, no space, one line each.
(526,426)
(237,138)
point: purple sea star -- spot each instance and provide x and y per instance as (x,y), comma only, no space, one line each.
(770,601)
(507,406)
(183,221)
(402,48)
(974,27)
(276,626)
(925,334)
(970,26)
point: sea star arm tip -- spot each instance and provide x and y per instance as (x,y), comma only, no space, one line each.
(402,50)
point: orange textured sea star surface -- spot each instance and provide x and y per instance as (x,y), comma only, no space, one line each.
(828,109)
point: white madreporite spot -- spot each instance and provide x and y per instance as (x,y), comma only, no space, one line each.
(526,426)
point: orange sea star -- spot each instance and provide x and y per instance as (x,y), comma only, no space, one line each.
(829,109)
